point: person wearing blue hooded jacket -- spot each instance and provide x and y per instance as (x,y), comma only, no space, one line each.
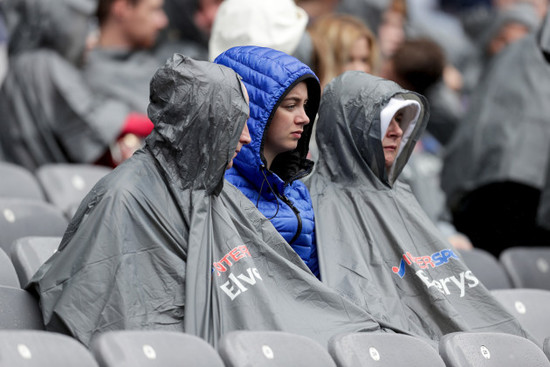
(284,99)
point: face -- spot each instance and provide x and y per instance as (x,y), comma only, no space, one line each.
(288,123)
(245,135)
(391,32)
(511,32)
(359,56)
(392,140)
(206,13)
(143,22)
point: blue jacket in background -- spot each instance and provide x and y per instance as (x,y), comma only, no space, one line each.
(277,192)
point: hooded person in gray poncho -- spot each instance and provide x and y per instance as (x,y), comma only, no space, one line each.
(49,114)
(494,167)
(376,245)
(163,242)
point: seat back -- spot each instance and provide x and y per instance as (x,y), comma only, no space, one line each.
(528,267)
(22,218)
(34,348)
(19,310)
(487,349)
(530,306)
(153,348)
(486,268)
(383,350)
(29,253)
(271,348)
(66,184)
(8,274)
(19,182)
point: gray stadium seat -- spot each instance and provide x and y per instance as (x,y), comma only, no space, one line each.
(271,349)
(19,182)
(8,274)
(150,348)
(29,253)
(528,267)
(19,310)
(22,218)
(485,349)
(34,348)
(66,184)
(382,350)
(530,306)
(486,268)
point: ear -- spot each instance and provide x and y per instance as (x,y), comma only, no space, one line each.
(119,8)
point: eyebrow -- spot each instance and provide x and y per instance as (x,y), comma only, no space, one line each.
(294,99)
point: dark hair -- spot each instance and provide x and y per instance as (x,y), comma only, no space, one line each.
(419,64)
(104,8)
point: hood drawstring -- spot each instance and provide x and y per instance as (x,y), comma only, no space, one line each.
(262,169)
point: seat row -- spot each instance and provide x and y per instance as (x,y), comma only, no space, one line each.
(19,310)
(268,348)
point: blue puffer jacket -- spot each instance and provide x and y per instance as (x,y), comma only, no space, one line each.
(277,192)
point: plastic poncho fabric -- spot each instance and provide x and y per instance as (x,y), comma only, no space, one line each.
(163,243)
(269,75)
(48,112)
(122,75)
(376,245)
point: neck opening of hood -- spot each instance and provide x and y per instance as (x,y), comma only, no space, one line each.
(411,113)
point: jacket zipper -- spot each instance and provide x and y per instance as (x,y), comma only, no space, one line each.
(285,200)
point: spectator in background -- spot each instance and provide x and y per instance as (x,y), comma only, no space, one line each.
(376,245)
(508,25)
(419,64)
(277,24)
(121,64)
(284,99)
(391,31)
(49,113)
(494,167)
(189,28)
(164,243)
(344,42)
(318,8)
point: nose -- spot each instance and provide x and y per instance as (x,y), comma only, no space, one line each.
(302,118)
(245,136)
(162,21)
(394,130)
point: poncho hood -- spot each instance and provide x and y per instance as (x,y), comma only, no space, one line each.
(61,25)
(349,130)
(213,111)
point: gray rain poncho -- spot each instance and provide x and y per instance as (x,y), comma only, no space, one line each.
(376,245)
(48,112)
(163,242)
(495,165)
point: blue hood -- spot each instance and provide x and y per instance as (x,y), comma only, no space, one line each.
(268,76)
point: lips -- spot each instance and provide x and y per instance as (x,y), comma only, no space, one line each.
(297,133)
